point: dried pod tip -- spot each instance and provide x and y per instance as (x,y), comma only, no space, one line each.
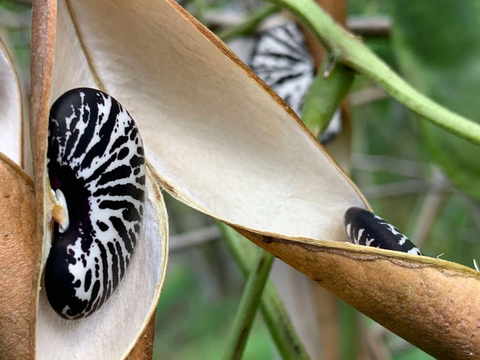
(96,167)
(366,228)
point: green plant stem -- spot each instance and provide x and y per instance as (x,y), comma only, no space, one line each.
(249,304)
(249,24)
(348,50)
(325,95)
(278,322)
(349,332)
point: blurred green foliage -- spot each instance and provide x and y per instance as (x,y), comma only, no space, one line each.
(436,45)
(383,130)
(192,325)
(438,48)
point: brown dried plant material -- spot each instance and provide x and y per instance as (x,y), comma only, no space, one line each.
(429,302)
(143,349)
(17,258)
(223,143)
(125,324)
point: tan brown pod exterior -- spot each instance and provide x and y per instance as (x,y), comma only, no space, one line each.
(124,326)
(17,259)
(429,302)
(222,142)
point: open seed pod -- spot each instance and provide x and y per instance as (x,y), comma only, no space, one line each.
(17,221)
(223,143)
(106,214)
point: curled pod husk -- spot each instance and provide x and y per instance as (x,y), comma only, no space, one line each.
(284,58)
(113,330)
(17,222)
(17,259)
(123,326)
(221,141)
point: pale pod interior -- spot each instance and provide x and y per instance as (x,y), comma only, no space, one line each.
(223,144)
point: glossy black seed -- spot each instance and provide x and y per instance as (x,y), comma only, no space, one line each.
(92,143)
(365,228)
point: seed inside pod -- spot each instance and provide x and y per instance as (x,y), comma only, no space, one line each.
(96,167)
(281,58)
(366,228)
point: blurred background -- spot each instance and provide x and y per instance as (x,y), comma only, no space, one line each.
(418,177)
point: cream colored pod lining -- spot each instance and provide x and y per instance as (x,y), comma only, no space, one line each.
(219,140)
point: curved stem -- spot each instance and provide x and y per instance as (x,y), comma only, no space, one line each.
(348,50)
(274,313)
(325,95)
(249,304)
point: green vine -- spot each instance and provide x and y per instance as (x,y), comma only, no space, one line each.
(350,51)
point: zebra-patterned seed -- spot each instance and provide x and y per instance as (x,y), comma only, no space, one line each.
(96,167)
(365,228)
(281,59)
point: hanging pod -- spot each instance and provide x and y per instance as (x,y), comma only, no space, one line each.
(107,257)
(220,140)
(122,326)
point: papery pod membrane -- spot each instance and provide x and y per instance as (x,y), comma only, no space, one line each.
(124,326)
(223,143)
(11,105)
(312,309)
(17,259)
(326,307)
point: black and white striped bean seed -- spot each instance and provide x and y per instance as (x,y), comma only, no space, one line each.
(96,163)
(281,59)
(365,228)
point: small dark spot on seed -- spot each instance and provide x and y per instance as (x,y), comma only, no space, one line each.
(7,196)
(103,227)
(136,161)
(140,180)
(133,134)
(88,279)
(123,153)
